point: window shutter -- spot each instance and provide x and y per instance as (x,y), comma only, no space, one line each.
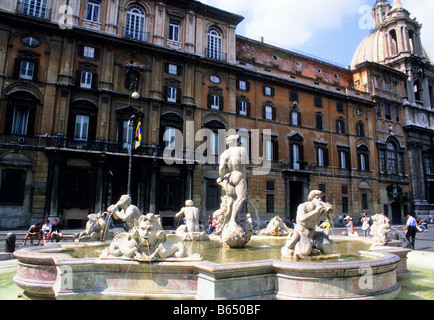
(31,122)
(97,53)
(165,93)
(166,68)
(221,103)
(348,160)
(275,150)
(17,67)
(178,95)
(326,157)
(209,100)
(238,106)
(71,125)
(238,84)
(263,112)
(94,81)
(81,50)
(36,71)
(272,91)
(179,70)
(247,86)
(78,78)
(274,113)
(299,118)
(9,119)
(249,107)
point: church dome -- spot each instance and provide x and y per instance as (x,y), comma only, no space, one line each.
(371,49)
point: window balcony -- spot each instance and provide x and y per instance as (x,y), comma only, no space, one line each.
(135,34)
(214,54)
(34,8)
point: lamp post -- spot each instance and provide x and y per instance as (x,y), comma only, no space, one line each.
(131,124)
(133,72)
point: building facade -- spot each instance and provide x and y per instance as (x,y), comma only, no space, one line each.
(68,116)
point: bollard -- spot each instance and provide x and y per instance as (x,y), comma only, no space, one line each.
(10,242)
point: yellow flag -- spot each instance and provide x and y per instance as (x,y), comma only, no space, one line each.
(138,138)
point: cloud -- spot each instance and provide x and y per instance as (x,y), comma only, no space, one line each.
(294,23)
(423,10)
(289,22)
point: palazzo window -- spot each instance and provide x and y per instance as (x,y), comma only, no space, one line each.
(35,8)
(27,70)
(135,23)
(81,128)
(214,48)
(20,114)
(93,10)
(174,30)
(20,121)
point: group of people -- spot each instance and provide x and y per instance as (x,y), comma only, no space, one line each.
(46,232)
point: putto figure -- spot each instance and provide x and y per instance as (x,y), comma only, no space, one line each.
(305,240)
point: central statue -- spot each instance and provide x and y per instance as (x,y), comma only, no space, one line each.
(232,179)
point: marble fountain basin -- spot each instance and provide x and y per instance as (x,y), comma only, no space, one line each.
(65,271)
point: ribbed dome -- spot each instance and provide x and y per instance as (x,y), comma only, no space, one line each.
(371,49)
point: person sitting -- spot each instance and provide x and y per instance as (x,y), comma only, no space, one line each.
(56,231)
(423,225)
(46,231)
(34,231)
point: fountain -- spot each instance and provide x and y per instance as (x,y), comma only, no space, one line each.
(145,262)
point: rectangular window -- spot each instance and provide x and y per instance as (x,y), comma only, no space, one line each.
(318,102)
(12,186)
(89,52)
(296,156)
(342,160)
(344,204)
(81,128)
(212,196)
(170,135)
(378,110)
(362,162)
(173,69)
(385,86)
(320,157)
(268,91)
(242,85)
(93,10)
(269,150)
(171,94)
(396,114)
(375,82)
(86,80)
(27,70)
(34,8)
(215,143)
(127,135)
(382,161)
(20,121)
(243,108)
(344,189)
(387,111)
(215,102)
(270,185)
(340,107)
(427,165)
(174,28)
(268,113)
(365,205)
(270,203)
(294,118)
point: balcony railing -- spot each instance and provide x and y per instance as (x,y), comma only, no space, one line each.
(215,54)
(135,34)
(35,9)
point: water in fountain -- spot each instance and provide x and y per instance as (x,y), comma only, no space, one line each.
(258,220)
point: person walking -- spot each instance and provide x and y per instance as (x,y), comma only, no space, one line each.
(366,225)
(410,231)
(341,221)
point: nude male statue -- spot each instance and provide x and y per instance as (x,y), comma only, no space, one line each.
(232,172)
(305,240)
(191,214)
(124,210)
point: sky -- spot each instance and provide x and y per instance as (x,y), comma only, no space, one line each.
(329,29)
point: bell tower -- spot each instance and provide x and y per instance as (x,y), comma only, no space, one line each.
(380,12)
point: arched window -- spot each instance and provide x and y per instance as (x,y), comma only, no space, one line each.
(214,48)
(135,24)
